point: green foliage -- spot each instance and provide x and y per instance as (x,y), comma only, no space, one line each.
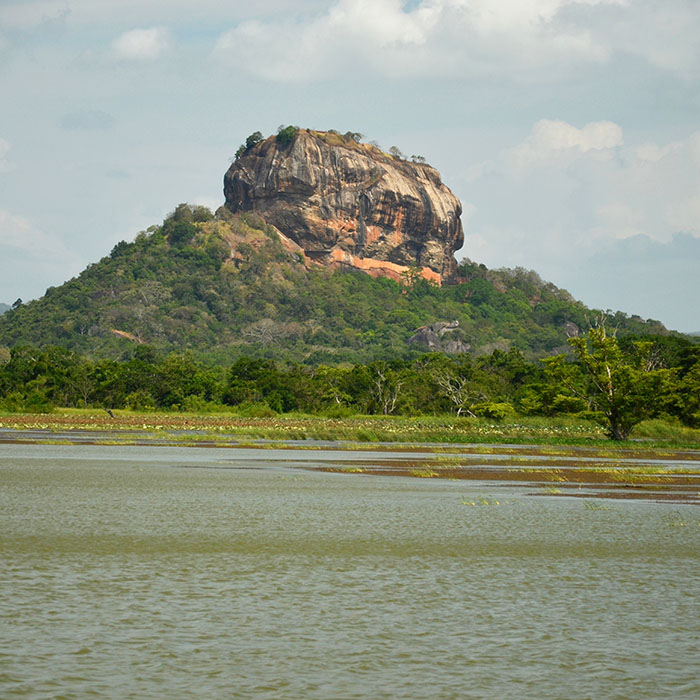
(179,232)
(286,134)
(180,226)
(487,389)
(255,409)
(494,411)
(226,288)
(624,389)
(253,140)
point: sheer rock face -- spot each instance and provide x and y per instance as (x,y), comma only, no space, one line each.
(350,205)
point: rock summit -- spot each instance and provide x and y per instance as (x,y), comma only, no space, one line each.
(343,203)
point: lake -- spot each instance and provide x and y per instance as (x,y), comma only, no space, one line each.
(177,572)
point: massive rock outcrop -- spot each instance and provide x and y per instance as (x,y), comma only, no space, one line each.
(350,204)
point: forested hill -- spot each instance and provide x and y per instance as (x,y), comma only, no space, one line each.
(227,287)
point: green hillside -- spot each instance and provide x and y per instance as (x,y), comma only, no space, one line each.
(225,287)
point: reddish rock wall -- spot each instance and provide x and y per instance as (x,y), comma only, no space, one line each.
(349,204)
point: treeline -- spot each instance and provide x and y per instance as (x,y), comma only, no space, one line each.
(617,383)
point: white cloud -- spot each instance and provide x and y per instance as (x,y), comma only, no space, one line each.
(685,216)
(663,33)
(518,38)
(19,233)
(5,165)
(566,198)
(575,185)
(32,259)
(436,37)
(552,139)
(617,220)
(142,44)
(519,15)
(25,15)
(652,153)
(302,40)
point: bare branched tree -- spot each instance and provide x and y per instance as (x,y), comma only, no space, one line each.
(458,390)
(386,388)
(264,332)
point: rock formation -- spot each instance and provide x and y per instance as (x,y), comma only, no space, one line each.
(349,204)
(432,338)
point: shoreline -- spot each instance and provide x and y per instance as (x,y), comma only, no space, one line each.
(441,429)
(597,470)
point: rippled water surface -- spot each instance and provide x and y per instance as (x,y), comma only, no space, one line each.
(165,572)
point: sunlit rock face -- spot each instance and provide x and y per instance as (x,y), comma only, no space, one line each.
(348,204)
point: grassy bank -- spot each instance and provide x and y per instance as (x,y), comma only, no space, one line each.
(362,429)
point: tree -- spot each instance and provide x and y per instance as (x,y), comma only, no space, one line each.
(82,381)
(458,389)
(253,140)
(331,384)
(395,152)
(687,398)
(452,378)
(181,232)
(385,386)
(263,332)
(624,389)
(286,134)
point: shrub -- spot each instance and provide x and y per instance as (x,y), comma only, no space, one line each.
(494,411)
(595,416)
(255,409)
(253,140)
(37,402)
(140,400)
(338,411)
(286,134)
(13,401)
(181,232)
(568,404)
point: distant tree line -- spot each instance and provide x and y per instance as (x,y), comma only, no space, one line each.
(615,382)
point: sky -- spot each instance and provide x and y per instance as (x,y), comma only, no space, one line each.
(569,129)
